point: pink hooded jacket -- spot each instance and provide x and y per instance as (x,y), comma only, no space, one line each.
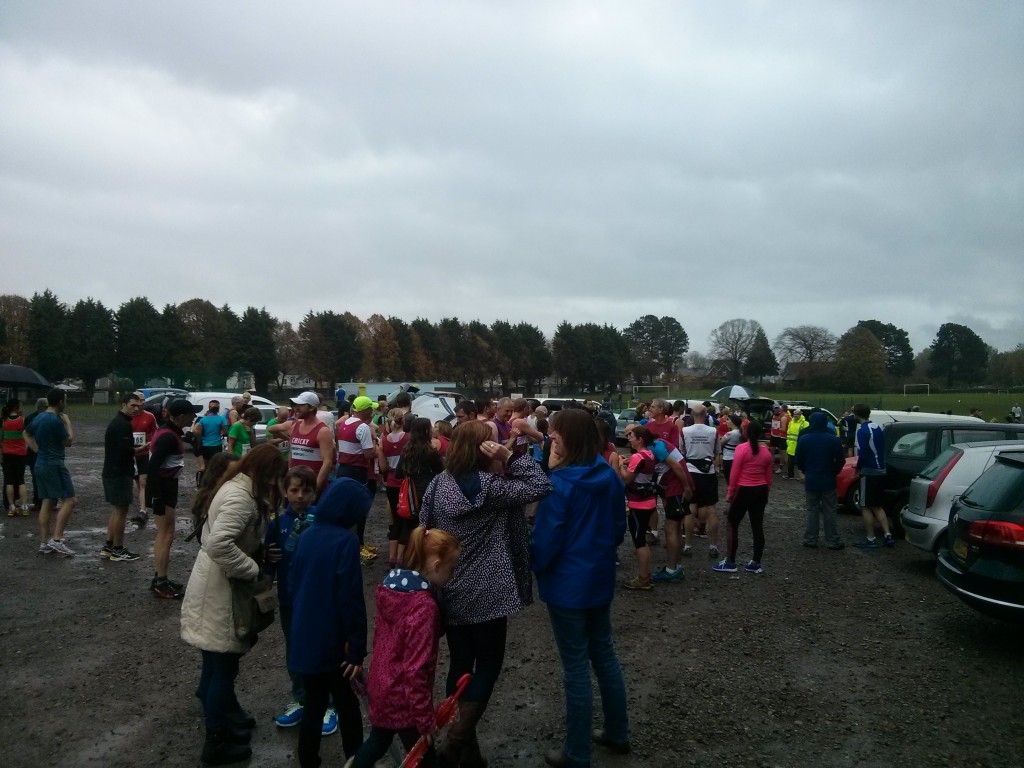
(405,637)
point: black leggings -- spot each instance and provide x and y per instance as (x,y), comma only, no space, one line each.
(379,741)
(752,499)
(477,649)
(350,720)
(639,521)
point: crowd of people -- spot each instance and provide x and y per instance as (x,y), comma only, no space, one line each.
(476,511)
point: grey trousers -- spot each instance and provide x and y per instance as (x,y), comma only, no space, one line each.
(821,504)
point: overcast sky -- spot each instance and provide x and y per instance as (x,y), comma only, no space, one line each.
(789,162)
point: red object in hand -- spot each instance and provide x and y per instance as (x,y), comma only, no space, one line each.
(445,714)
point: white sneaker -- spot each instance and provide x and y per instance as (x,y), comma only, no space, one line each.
(60,547)
(44,549)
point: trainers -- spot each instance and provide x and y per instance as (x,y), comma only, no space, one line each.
(178,587)
(712,551)
(753,567)
(44,549)
(25,508)
(687,550)
(724,567)
(666,575)
(12,511)
(330,722)
(889,541)
(164,590)
(291,716)
(371,549)
(636,583)
(120,554)
(60,547)
(106,551)
(866,543)
(140,519)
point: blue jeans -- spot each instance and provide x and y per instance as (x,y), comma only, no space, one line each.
(298,692)
(217,688)
(582,635)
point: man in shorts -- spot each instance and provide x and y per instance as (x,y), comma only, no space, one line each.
(143,429)
(118,474)
(871,468)
(165,464)
(700,446)
(49,434)
(780,422)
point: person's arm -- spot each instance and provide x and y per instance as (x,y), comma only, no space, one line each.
(524,483)
(162,449)
(800,457)
(348,599)
(739,461)
(197,429)
(221,543)
(525,428)
(365,435)
(233,437)
(70,439)
(325,439)
(382,460)
(549,531)
(282,429)
(626,471)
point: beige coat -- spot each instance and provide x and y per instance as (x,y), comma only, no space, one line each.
(231,536)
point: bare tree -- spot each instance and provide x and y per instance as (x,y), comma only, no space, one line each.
(732,341)
(805,344)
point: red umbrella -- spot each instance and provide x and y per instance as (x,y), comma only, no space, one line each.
(446,713)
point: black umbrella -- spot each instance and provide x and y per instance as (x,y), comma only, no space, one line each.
(20,376)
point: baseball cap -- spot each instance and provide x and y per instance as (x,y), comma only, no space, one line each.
(363,403)
(777,408)
(307,398)
(180,407)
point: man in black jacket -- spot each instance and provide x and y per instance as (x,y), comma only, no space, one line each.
(820,456)
(118,474)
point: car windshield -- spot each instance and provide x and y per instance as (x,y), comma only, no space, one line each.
(627,413)
(938,464)
(1000,489)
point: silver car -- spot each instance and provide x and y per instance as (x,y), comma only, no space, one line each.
(932,492)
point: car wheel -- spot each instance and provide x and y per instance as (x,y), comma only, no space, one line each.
(852,500)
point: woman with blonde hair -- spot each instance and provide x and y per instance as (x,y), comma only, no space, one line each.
(232,538)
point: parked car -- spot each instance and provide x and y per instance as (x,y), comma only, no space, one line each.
(932,492)
(984,563)
(623,419)
(910,446)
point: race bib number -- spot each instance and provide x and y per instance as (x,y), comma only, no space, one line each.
(139,438)
(246,448)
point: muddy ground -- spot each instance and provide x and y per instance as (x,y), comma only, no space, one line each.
(847,658)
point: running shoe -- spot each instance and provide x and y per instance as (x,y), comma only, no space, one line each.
(178,586)
(25,509)
(370,548)
(330,722)
(12,511)
(636,583)
(60,547)
(44,549)
(140,519)
(291,716)
(889,541)
(725,566)
(687,550)
(866,543)
(712,551)
(106,552)
(120,554)
(666,575)
(753,567)
(164,590)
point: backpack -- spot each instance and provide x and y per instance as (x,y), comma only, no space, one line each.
(408,500)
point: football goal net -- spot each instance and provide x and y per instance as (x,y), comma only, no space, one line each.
(909,388)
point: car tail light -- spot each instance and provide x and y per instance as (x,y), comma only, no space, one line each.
(996,533)
(933,486)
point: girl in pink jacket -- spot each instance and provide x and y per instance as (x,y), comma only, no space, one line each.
(408,625)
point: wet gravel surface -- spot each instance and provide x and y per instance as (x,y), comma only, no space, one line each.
(847,658)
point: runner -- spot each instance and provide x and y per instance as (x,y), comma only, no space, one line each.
(641,502)
(699,448)
(143,428)
(48,435)
(389,450)
(118,473)
(356,452)
(780,422)
(310,441)
(15,450)
(210,431)
(241,436)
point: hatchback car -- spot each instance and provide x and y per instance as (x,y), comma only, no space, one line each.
(932,492)
(984,564)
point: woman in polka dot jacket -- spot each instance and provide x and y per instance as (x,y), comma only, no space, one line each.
(480,499)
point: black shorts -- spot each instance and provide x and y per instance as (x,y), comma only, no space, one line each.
(639,521)
(705,490)
(676,508)
(161,494)
(209,451)
(14,469)
(871,490)
(118,491)
(141,464)
(778,442)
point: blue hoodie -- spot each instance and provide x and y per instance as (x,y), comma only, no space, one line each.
(819,455)
(577,530)
(328,611)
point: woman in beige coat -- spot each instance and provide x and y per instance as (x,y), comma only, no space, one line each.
(231,540)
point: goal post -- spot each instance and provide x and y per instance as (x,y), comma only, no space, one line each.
(658,387)
(918,387)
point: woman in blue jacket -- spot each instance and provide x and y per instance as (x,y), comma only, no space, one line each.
(575,536)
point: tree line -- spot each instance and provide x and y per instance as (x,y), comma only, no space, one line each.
(197,344)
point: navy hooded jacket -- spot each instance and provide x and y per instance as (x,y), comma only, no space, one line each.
(328,610)
(819,455)
(576,532)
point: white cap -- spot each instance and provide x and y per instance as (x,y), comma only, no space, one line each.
(307,398)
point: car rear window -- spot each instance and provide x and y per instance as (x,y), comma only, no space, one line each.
(999,489)
(939,462)
(913,445)
(977,435)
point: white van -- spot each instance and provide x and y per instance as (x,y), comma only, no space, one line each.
(888,417)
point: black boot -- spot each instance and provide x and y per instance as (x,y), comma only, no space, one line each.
(219,749)
(241,720)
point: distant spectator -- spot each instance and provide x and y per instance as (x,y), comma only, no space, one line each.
(820,456)
(871,468)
